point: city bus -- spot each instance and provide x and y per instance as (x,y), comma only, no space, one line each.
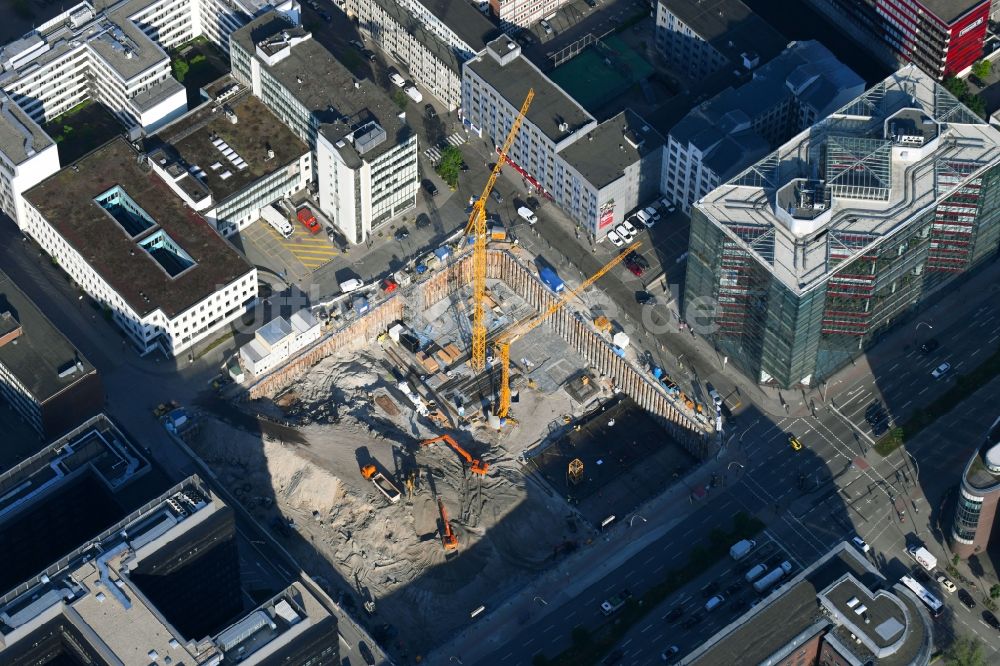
(933,604)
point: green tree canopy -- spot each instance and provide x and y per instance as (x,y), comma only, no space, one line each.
(965,651)
(450,166)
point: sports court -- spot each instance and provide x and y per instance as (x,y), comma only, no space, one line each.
(601,73)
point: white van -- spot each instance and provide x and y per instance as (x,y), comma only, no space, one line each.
(279,222)
(414,94)
(756,572)
(714,602)
(397,80)
(527,214)
(644,217)
(347,286)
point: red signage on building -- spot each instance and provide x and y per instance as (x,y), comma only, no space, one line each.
(607,214)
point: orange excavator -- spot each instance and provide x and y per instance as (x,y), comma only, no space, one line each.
(477,466)
(448,537)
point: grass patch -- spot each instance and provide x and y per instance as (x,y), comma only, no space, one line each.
(590,645)
(964,387)
(222,339)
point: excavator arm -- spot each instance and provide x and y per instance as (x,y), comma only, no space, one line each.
(477,466)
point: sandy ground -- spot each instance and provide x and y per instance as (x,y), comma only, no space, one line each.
(508,527)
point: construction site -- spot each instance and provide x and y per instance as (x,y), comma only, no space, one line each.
(468,431)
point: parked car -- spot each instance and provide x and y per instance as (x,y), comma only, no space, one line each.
(388,285)
(352,284)
(860,543)
(709,590)
(624,233)
(326,17)
(675,614)
(634,268)
(496,196)
(422,221)
(638,259)
(991,619)
(966,599)
(628,225)
(714,602)
(673,650)
(527,214)
(397,80)
(941,370)
(401,234)
(429,187)
(945,583)
(545,26)
(930,346)
(615,239)
(429,111)
(591,3)
(358,45)
(645,298)
(795,443)
(369,54)
(308,220)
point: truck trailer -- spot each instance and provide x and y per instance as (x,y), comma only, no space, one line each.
(923,557)
(380,481)
(776,574)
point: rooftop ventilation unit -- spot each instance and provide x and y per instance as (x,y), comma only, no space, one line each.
(564,127)
(368,137)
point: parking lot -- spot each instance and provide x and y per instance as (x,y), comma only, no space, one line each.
(295,257)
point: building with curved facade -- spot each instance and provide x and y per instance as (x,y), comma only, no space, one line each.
(978,495)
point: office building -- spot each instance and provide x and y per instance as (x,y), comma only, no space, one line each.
(27,156)
(230,158)
(42,375)
(978,495)
(524,13)
(708,36)
(597,172)
(163,585)
(122,234)
(721,137)
(802,261)
(941,37)
(365,155)
(840,610)
(428,40)
(278,340)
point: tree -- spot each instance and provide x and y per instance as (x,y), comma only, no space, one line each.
(995,591)
(956,86)
(982,69)
(180,68)
(965,651)
(401,100)
(450,166)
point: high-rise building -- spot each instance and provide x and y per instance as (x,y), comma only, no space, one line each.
(364,153)
(978,496)
(803,260)
(941,37)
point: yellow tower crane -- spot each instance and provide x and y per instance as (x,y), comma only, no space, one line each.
(508,337)
(477,227)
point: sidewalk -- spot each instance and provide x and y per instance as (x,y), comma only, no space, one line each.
(562,584)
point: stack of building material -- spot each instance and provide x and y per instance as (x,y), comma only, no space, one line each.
(428,363)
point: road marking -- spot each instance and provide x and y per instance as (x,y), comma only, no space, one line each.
(657,637)
(650,560)
(529,642)
(923,390)
(570,614)
(548,628)
(629,574)
(994,338)
(507,656)
(625,644)
(648,627)
(610,587)
(658,569)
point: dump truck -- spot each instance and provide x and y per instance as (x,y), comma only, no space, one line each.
(380,481)
(923,557)
(741,548)
(776,574)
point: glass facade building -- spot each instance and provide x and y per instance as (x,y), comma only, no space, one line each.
(806,259)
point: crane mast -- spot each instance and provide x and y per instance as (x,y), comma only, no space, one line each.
(477,227)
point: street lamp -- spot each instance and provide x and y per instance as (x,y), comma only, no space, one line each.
(632,519)
(541,601)
(922,323)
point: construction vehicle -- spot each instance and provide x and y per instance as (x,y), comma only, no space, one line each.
(477,466)
(448,537)
(477,227)
(504,342)
(380,481)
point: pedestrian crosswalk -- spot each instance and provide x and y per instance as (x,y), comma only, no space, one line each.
(434,152)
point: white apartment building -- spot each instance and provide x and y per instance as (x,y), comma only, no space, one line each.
(160,270)
(597,173)
(278,340)
(524,13)
(27,156)
(365,155)
(429,40)
(231,158)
